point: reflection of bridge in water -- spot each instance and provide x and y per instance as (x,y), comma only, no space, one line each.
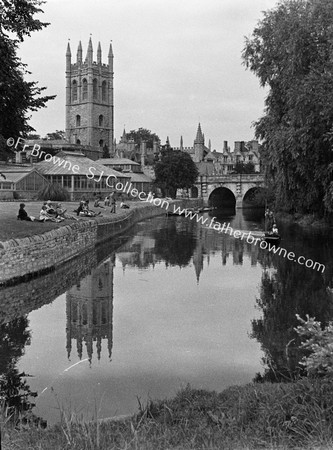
(233,188)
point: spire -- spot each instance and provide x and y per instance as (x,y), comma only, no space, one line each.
(68,57)
(99,54)
(199,139)
(110,51)
(167,141)
(181,143)
(124,138)
(89,57)
(68,52)
(210,145)
(110,57)
(79,54)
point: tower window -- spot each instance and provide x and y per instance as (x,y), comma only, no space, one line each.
(84,89)
(78,121)
(95,89)
(74,91)
(101,142)
(104,91)
(100,120)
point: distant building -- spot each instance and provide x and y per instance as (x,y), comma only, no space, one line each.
(139,180)
(121,164)
(140,153)
(220,163)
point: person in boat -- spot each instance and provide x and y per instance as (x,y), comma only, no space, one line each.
(269,220)
(275,230)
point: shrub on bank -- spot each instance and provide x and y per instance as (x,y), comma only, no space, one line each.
(54,192)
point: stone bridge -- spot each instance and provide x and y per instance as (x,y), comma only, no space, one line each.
(210,187)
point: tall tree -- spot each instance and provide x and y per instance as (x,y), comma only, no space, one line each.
(55,135)
(17,96)
(175,170)
(143,134)
(291,52)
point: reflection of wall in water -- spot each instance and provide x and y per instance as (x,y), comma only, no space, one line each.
(89,310)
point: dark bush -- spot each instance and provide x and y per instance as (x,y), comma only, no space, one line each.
(53,192)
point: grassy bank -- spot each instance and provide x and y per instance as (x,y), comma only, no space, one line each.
(256,416)
(11,228)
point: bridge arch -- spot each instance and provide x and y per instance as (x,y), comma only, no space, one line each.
(222,197)
(254,197)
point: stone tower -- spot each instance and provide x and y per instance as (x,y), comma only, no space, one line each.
(89,98)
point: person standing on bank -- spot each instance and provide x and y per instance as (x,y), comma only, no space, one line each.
(113,203)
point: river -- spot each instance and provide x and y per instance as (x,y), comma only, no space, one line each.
(168,303)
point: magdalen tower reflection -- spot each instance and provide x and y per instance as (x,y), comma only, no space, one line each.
(89,312)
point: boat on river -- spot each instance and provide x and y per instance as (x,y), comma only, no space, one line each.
(272,238)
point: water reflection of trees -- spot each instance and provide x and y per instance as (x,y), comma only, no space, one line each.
(175,243)
(14,391)
(287,289)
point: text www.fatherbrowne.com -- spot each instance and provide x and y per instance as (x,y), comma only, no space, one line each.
(149,198)
(249,238)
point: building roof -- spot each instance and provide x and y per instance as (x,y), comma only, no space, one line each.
(140,178)
(117,161)
(85,166)
(47,142)
(5,168)
(205,168)
(12,176)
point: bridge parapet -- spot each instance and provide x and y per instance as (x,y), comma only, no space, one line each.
(233,178)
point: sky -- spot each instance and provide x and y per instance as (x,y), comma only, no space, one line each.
(176,63)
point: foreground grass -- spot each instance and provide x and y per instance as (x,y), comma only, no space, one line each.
(269,416)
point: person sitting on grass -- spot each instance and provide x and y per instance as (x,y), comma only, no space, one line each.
(123,205)
(23,215)
(79,208)
(97,203)
(49,207)
(44,216)
(84,210)
(61,213)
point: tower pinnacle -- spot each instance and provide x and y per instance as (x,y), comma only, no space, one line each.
(200,138)
(79,54)
(99,54)
(89,57)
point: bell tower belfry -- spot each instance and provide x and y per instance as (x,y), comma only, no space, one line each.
(89,98)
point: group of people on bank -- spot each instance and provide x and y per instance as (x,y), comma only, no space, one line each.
(49,212)
(56,213)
